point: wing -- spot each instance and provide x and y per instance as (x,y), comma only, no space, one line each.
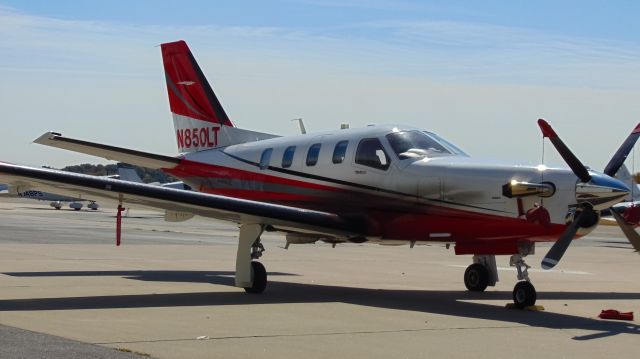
(144,159)
(207,205)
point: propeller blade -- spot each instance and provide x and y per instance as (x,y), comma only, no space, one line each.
(557,250)
(629,232)
(621,155)
(574,163)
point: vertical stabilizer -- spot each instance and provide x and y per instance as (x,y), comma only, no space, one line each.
(128,173)
(625,176)
(198,117)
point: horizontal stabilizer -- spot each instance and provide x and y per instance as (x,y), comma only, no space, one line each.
(138,158)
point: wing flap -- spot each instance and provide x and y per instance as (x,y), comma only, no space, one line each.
(202,204)
(134,157)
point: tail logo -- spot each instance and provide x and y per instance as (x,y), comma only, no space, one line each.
(186,83)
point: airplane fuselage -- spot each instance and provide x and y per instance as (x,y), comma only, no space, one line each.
(407,197)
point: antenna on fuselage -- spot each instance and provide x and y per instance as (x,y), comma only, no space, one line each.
(301,123)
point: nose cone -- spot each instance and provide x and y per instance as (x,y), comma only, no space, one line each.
(602,191)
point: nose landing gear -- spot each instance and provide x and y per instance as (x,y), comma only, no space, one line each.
(524,293)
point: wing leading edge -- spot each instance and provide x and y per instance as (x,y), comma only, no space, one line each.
(202,204)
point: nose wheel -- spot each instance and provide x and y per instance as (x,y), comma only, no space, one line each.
(524,293)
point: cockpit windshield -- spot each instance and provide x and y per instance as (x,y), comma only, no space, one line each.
(417,144)
(455,149)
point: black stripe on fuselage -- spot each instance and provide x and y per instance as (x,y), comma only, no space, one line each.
(352,184)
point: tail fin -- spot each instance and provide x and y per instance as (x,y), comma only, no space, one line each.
(198,117)
(625,176)
(128,173)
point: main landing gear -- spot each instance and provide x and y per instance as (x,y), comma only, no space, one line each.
(250,275)
(484,272)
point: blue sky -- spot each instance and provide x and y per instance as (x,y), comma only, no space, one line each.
(599,19)
(478,73)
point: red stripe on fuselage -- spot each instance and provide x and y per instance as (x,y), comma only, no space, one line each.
(391,218)
(190,169)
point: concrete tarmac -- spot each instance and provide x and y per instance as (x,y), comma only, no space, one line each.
(168,292)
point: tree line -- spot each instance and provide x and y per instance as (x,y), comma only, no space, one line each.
(148,175)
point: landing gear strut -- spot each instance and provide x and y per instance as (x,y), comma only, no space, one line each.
(524,293)
(250,275)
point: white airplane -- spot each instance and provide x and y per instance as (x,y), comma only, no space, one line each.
(56,201)
(389,184)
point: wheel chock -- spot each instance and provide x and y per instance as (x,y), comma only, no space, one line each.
(616,315)
(532,308)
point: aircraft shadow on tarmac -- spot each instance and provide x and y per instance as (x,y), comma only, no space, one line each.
(453,303)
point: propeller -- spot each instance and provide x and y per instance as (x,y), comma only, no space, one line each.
(627,229)
(574,163)
(585,211)
(560,246)
(621,154)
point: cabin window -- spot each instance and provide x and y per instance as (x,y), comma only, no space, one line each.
(339,151)
(265,158)
(287,157)
(371,153)
(313,154)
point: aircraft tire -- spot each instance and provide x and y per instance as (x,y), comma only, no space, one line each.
(476,277)
(259,274)
(524,294)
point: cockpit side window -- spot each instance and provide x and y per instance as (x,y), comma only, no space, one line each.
(371,153)
(414,144)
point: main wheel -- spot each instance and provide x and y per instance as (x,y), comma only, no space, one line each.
(476,277)
(524,294)
(259,278)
